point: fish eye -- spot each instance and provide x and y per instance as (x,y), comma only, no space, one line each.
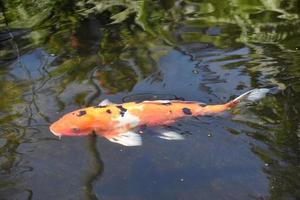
(75,130)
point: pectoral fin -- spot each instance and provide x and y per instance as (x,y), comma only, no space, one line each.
(128,138)
(169,135)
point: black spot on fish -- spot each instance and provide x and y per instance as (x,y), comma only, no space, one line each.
(202,104)
(187,111)
(108,111)
(122,110)
(98,106)
(166,104)
(81,113)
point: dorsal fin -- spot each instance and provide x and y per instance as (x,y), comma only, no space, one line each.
(105,102)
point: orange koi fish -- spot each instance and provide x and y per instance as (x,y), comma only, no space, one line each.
(117,122)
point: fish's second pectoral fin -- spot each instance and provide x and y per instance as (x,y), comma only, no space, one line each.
(170,135)
(128,138)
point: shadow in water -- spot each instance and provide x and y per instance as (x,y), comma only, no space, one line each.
(96,169)
(97,165)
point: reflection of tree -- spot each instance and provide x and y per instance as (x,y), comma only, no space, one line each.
(97,166)
(110,24)
(281,153)
(283,147)
(255,21)
(126,57)
(274,22)
(272,65)
(95,170)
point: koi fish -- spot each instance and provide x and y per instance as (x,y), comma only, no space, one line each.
(117,122)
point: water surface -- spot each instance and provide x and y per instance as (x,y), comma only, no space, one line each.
(53,62)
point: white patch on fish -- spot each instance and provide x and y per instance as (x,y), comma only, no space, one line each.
(128,118)
(158,101)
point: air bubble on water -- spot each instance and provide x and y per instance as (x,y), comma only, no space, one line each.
(195,71)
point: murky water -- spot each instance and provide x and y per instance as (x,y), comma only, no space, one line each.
(208,52)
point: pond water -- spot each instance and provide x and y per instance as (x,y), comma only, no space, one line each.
(53,61)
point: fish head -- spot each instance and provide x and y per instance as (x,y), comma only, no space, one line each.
(77,123)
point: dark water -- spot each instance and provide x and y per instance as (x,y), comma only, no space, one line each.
(54,60)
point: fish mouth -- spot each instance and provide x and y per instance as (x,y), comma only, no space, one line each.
(55,133)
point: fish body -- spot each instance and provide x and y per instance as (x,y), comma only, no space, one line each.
(116,122)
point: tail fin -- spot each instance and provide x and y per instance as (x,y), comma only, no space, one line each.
(252,95)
